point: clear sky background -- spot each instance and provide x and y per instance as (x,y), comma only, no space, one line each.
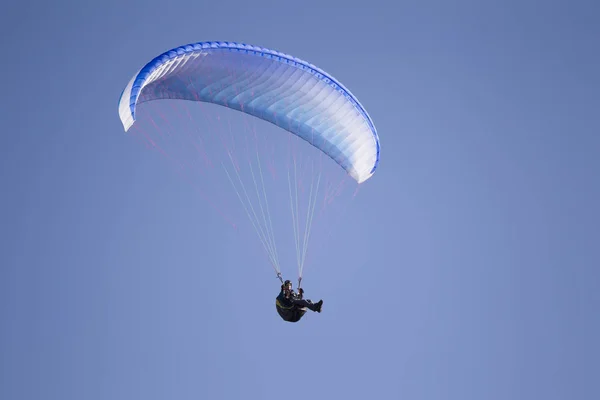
(466,268)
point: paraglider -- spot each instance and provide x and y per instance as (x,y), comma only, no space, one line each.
(292,306)
(294,95)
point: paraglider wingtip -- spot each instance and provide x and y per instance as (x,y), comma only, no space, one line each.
(127,123)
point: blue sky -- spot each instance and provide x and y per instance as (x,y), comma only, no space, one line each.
(466,268)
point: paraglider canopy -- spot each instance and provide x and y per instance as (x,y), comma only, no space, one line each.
(276,87)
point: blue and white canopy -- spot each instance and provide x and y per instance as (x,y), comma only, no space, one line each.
(279,88)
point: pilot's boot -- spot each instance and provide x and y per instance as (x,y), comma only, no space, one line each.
(318,306)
